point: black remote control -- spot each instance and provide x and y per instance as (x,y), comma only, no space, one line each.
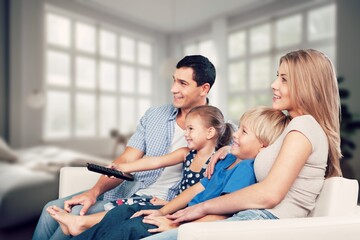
(109,171)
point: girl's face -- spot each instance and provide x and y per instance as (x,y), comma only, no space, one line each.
(245,144)
(196,134)
(280,87)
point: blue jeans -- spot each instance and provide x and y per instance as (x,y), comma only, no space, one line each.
(254,214)
(117,224)
(48,229)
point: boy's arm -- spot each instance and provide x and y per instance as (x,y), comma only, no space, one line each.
(149,163)
(182,199)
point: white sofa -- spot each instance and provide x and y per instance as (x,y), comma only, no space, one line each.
(336,215)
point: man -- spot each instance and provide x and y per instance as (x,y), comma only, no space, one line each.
(160,131)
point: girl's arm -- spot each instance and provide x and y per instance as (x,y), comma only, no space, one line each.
(177,203)
(293,154)
(149,163)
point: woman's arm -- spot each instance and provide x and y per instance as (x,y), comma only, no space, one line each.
(149,163)
(293,154)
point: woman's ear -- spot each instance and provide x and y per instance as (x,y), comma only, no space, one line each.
(211,132)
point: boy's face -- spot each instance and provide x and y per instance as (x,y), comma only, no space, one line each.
(196,134)
(245,144)
(186,93)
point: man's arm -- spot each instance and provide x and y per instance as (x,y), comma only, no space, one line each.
(88,198)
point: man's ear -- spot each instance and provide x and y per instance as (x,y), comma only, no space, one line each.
(211,132)
(205,88)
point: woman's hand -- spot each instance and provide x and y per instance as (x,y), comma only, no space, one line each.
(162,222)
(147,213)
(219,155)
(188,214)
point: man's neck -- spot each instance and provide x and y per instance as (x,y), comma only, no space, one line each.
(180,118)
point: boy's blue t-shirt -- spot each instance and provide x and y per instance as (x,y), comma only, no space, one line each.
(226,180)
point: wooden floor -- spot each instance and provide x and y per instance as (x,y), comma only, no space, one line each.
(22,232)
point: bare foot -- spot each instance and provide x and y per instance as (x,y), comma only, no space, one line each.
(70,224)
(53,211)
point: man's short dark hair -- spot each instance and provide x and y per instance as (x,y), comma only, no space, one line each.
(204,70)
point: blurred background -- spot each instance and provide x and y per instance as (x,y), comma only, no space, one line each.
(74,72)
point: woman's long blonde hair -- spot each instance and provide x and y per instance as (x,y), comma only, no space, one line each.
(314,90)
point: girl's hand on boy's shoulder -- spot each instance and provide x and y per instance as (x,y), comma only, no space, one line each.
(218,155)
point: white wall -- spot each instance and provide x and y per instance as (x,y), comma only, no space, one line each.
(27,49)
(348,53)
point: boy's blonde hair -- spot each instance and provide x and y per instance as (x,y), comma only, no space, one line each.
(267,123)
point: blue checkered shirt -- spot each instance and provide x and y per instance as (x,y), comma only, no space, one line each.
(153,136)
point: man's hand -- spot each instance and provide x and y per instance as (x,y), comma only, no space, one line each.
(87,199)
(162,222)
(219,155)
(188,214)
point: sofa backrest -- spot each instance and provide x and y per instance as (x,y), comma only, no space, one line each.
(76,179)
(338,197)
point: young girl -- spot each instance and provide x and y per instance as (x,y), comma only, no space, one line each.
(206,131)
(290,172)
(258,128)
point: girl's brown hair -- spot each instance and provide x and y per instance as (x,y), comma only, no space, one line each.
(212,117)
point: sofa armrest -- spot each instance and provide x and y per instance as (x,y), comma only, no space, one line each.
(75,179)
(345,227)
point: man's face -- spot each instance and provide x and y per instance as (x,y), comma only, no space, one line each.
(186,93)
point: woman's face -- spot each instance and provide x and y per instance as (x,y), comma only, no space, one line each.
(281,98)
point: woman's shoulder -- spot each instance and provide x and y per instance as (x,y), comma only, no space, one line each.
(304,122)
(309,127)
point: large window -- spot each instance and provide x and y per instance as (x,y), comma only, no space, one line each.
(254,52)
(96,77)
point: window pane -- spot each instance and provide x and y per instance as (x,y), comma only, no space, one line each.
(143,105)
(58,30)
(260,99)
(107,76)
(85,115)
(127,115)
(57,123)
(107,44)
(107,115)
(260,73)
(191,49)
(328,50)
(145,82)
(127,49)
(237,44)
(206,48)
(237,106)
(85,72)
(260,38)
(85,37)
(58,68)
(144,53)
(322,22)
(288,31)
(237,79)
(127,79)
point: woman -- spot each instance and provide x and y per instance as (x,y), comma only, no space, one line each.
(291,171)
